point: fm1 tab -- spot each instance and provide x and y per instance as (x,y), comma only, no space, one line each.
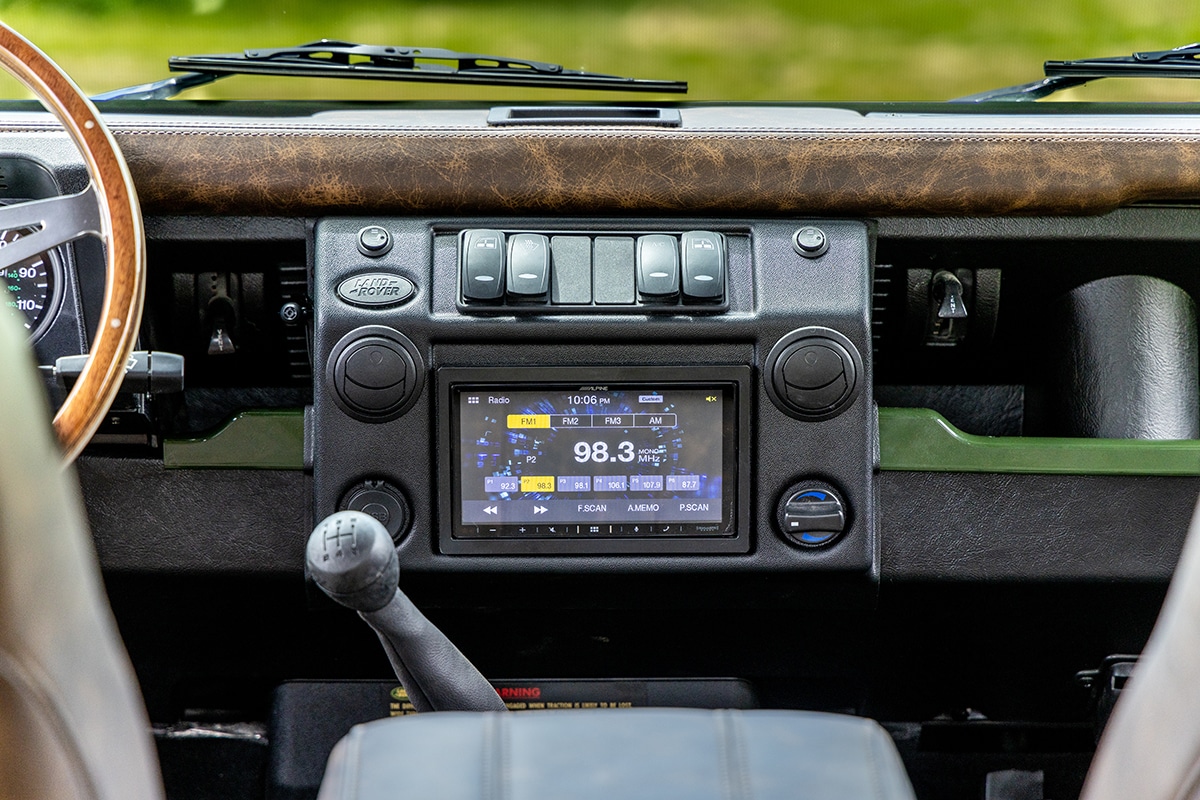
(528,267)
(703,266)
(658,268)
(482,265)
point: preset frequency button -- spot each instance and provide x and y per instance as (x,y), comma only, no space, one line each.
(658,267)
(482,265)
(528,266)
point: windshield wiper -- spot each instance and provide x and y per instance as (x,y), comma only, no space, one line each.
(334,59)
(1180,62)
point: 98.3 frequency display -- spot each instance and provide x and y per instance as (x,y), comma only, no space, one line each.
(606,461)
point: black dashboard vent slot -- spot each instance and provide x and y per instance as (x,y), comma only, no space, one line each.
(584,115)
(293,288)
(887,307)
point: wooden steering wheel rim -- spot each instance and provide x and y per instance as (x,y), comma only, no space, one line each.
(121,231)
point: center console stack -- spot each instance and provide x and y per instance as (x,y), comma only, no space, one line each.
(589,396)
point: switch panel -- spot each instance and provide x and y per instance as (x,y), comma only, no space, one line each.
(528,272)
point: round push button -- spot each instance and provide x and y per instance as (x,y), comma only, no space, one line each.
(382,501)
(810,242)
(374,241)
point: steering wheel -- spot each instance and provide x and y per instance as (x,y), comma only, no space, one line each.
(107,208)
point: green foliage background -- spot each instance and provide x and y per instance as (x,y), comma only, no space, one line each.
(726,49)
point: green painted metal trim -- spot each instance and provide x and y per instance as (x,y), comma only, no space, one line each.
(910,439)
(918,439)
(267,439)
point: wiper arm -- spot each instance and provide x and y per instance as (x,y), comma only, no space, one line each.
(1181,62)
(335,59)
(158,90)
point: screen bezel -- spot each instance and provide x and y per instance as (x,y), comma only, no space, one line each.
(735,455)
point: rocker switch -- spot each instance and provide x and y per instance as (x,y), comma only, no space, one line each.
(658,267)
(482,265)
(528,266)
(703,266)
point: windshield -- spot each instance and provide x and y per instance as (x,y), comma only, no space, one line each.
(752,50)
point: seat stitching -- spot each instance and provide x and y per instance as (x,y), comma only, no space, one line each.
(733,762)
(743,760)
(489,735)
(873,757)
(350,778)
(504,748)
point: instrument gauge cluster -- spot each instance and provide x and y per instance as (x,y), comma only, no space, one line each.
(34,285)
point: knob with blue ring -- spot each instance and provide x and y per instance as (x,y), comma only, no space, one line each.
(812,514)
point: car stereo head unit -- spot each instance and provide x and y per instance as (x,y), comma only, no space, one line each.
(594,460)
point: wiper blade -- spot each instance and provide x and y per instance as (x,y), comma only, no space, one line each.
(1181,62)
(336,59)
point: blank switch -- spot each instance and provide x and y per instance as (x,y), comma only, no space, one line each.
(571,270)
(612,270)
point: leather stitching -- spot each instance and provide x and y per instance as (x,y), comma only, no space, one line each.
(497,772)
(734,777)
(504,726)
(875,768)
(488,774)
(353,760)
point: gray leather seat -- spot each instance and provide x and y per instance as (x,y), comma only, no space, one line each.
(625,753)
(72,723)
(1151,746)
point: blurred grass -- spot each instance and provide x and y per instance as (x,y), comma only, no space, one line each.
(770,50)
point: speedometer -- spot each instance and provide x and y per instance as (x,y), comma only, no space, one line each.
(33,285)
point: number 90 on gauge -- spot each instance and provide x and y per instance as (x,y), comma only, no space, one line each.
(34,286)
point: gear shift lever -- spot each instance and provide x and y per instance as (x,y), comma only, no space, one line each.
(350,556)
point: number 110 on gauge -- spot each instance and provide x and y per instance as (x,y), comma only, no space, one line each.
(598,452)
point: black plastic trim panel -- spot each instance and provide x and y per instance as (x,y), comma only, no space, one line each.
(771,291)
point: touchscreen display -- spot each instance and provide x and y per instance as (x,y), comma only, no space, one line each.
(622,460)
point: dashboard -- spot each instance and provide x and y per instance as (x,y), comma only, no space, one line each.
(828,268)
(635,401)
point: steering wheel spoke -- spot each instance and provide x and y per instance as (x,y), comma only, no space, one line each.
(57,220)
(108,208)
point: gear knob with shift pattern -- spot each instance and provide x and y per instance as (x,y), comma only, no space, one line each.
(351,558)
